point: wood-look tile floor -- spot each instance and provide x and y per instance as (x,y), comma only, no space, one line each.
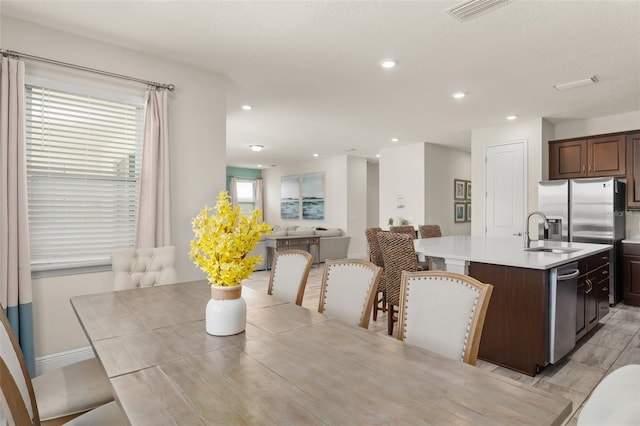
(613,343)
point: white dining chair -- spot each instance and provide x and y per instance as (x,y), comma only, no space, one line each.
(143,267)
(615,400)
(348,290)
(289,274)
(56,397)
(443,312)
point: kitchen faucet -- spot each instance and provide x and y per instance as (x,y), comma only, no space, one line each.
(527,240)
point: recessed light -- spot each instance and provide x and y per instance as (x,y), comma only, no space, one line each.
(511,117)
(377,155)
(395,140)
(316,155)
(388,63)
(256,148)
(459,95)
(259,166)
(247,107)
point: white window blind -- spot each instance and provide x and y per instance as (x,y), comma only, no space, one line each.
(83,170)
(246,195)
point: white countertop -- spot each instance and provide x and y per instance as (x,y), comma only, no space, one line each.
(503,251)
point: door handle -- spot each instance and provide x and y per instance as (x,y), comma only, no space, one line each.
(574,273)
(517,234)
(583,168)
(589,287)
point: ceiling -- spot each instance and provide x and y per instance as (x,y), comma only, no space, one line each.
(311,68)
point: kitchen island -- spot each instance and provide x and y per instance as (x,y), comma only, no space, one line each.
(518,332)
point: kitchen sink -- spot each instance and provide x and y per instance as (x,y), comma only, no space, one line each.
(547,249)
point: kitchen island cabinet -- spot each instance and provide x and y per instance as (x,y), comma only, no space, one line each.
(516,331)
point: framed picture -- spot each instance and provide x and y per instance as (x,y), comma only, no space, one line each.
(313,196)
(459,188)
(290,197)
(468,212)
(459,211)
(467,191)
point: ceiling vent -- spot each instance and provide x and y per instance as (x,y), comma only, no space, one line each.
(472,8)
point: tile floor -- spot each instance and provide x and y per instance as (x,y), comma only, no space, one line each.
(613,343)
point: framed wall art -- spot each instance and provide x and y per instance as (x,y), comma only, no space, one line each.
(459,211)
(459,189)
(290,197)
(313,196)
(467,191)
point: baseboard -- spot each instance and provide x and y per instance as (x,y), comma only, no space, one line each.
(47,363)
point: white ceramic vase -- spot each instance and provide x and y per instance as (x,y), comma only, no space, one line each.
(226,312)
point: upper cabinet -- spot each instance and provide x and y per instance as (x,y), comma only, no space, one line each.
(588,157)
(633,170)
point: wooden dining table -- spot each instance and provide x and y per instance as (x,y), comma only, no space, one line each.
(290,366)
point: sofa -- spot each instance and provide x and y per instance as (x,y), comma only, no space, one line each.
(333,243)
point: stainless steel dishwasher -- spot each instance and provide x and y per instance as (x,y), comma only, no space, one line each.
(562,309)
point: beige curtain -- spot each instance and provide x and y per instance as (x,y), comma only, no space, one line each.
(153,228)
(259,197)
(15,268)
(233,187)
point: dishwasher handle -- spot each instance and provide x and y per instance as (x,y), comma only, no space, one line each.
(574,273)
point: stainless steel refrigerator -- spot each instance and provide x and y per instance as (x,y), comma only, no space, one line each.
(589,210)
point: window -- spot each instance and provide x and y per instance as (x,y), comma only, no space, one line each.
(246,195)
(83,170)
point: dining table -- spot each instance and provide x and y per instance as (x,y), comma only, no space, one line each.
(291,365)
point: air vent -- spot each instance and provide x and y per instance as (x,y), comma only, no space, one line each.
(472,8)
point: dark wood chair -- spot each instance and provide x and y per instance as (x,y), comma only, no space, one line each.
(398,254)
(404,229)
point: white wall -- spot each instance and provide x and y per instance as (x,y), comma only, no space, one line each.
(529,130)
(373,195)
(402,174)
(357,205)
(335,181)
(442,166)
(598,125)
(197,115)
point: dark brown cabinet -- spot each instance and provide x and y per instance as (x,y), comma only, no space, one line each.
(592,292)
(631,274)
(588,157)
(633,170)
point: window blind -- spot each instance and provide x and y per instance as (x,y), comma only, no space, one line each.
(83,171)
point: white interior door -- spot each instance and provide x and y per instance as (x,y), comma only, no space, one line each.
(505,183)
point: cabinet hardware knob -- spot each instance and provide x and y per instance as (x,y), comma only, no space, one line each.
(605,272)
(605,289)
(583,168)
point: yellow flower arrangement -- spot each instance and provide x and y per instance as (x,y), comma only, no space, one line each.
(223,241)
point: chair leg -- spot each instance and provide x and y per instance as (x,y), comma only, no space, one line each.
(390,313)
(376,302)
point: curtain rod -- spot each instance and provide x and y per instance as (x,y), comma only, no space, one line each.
(14,54)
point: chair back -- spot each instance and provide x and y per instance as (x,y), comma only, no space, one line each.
(348,289)
(444,313)
(398,254)
(375,256)
(289,273)
(143,267)
(430,231)
(18,398)
(404,229)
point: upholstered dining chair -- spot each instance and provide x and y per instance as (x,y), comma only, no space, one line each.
(398,254)
(143,267)
(443,312)
(348,288)
(289,274)
(430,231)
(615,400)
(55,397)
(375,257)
